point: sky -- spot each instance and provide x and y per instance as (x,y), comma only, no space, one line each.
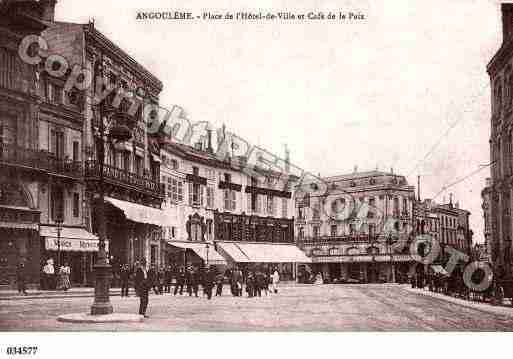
(405,88)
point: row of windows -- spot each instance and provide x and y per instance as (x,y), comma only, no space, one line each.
(200,195)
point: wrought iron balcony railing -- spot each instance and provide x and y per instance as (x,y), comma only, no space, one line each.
(124,178)
(39,160)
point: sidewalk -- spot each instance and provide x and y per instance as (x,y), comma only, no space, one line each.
(78,292)
(44,294)
(484,307)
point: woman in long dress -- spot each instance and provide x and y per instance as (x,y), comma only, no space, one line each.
(65,272)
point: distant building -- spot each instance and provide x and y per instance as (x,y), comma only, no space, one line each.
(347,230)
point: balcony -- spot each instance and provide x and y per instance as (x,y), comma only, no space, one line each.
(125,179)
(330,239)
(41,161)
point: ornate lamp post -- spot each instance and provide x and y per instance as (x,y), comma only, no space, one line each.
(207,247)
(118,131)
(58,222)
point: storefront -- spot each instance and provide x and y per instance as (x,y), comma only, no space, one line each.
(181,253)
(74,246)
(267,256)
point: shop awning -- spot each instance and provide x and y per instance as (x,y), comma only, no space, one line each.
(139,213)
(200,248)
(71,239)
(264,253)
(439,269)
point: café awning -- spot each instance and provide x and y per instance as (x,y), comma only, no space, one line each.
(139,213)
(264,253)
(71,239)
(200,248)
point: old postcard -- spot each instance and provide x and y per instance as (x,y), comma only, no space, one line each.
(184,166)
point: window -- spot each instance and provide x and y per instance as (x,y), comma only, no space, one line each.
(195,194)
(57,92)
(7,130)
(126,161)
(138,165)
(174,164)
(227,177)
(230,203)
(210,197)
(76,151)
(316,231)
(195,171)
(57,143)
(270,205)
(284,207)
(301,233)
(175,189)
(333,230)
(254,202)
(76,204)
(57,203)
(405,205)
(396,206)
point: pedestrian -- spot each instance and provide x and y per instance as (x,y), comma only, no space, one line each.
(21,279)
(168,277)
(180,281)
(195,280)
(250,284)
(260,282)
(208,282)
(160,280)
(124,276)
(275,281)
(188,280)
(219,284)
(49,274)
(153,279)
(142,287)
(64,273)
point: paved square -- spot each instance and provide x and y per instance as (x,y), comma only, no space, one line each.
(294,308)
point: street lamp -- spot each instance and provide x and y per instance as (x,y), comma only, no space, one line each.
(207,247)
(58,222)
(119,131)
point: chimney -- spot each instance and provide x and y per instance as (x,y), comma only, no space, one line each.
(507,21)
(48,9)
(209,141)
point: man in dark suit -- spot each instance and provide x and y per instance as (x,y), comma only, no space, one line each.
(142,287)
(180,281)
(124,276)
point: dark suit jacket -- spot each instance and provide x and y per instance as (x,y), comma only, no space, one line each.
(141,283)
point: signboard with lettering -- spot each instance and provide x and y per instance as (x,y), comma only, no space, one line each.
(73,245)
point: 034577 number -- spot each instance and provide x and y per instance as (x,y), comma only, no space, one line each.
(22,350)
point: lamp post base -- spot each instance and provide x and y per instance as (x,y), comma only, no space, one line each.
(101,304)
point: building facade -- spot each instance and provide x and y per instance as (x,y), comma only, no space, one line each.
(218,213)
(41,130)
(351,231)
(500,190)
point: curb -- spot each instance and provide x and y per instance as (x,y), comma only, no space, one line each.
(97,319)
(486,308)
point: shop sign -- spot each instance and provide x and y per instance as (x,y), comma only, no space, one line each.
(73,244)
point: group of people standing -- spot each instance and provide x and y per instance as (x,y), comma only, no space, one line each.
(55,279)
(257,281)
(191,277)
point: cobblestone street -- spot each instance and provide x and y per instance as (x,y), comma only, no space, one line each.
(326,307)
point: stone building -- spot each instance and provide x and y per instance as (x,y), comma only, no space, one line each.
(500,72)
(41,129)
(221,214)
(352,229)
(131,170)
